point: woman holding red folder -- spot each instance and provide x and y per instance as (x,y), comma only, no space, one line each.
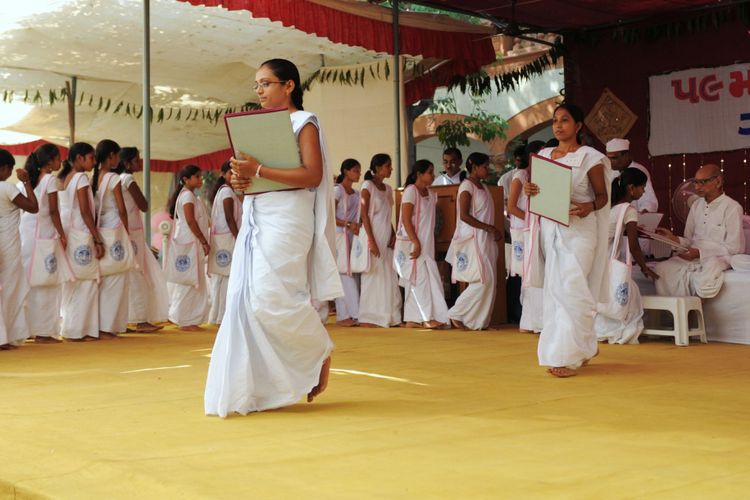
(271,349)
(574,255)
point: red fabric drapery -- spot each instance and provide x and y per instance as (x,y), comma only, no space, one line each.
(208,161)
(467,52)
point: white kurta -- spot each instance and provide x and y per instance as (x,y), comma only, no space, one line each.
(147,286)
(188,304)
(80,299)
(347,208)
(716,230)
(271,345)
(531,297)
(474,306)
(218,283)
(12,280)
(42,302)
(627,330)
(380,299)
(424,298)
(446,180)
(113,289)
(575,262)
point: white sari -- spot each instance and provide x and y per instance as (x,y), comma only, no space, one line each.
(219,283)
(80,299)
(13,283)
(474,306)
(574,270)
(347,208)
(380,299)
(271,345)
(424,299)
(147,286)
(42,302)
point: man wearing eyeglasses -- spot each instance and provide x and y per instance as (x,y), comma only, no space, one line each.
(713,234)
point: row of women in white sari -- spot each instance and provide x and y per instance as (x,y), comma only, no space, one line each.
(78,277)
(381,259)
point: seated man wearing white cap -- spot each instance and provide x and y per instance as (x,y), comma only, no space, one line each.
(713,234)
(618,152)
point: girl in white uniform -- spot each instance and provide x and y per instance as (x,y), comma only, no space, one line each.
(271,348)
(423,289)
(626,188)
(111,214)
(14,329)
(347,227)
(476,216)
(80,298)
(575,256)
(147,287)
(225,219)
(531,297)
(188,304)
(43,302)
(380,299)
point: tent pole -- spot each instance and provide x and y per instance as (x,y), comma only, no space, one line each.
(72,87)
(397,88)
(147,115)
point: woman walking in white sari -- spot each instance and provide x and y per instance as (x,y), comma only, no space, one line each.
(43,302)
(188,302)
(624,323)
(414,256)
(380,299)
(476,220)
(147,287)
(347,228)
(575,256)
(14,286)
(80,298)
(112,214)
(226,212)
(271,348)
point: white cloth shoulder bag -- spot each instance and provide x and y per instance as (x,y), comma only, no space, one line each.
(118,250)
(620,282)
(222,248)
(405,266)
(182,263)
(467,265)
(48,265)
(80,253)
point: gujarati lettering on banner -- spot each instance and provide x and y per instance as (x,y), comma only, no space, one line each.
(700,110)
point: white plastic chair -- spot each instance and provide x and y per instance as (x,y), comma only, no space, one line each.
(680,307)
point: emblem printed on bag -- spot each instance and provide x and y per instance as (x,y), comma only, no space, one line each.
(223,258)
(621,293)
(401,258)
(50,264)
(462,261)
(117,251)
(182,263)
(357,247)
(518,250)
(82,255)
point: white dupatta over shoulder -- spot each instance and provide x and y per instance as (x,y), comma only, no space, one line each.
(271,344)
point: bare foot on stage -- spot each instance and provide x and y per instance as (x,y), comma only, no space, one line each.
(432,325)
(561,372)
(46,340)
(325,371)
(369,325)
(347,322)
(411,324)
(192,328)
(586,361)
(457,324)
(147,328)
(107,335)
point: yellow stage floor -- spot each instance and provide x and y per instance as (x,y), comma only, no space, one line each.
(408,414)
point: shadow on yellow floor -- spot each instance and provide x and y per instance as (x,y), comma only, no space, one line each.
(408,414)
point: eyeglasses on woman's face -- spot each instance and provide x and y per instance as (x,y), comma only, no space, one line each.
(266,84)
(703,182)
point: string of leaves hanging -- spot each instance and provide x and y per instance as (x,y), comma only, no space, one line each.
(352,76)
(107,105)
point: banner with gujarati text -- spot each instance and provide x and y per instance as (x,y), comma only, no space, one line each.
(700,110)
